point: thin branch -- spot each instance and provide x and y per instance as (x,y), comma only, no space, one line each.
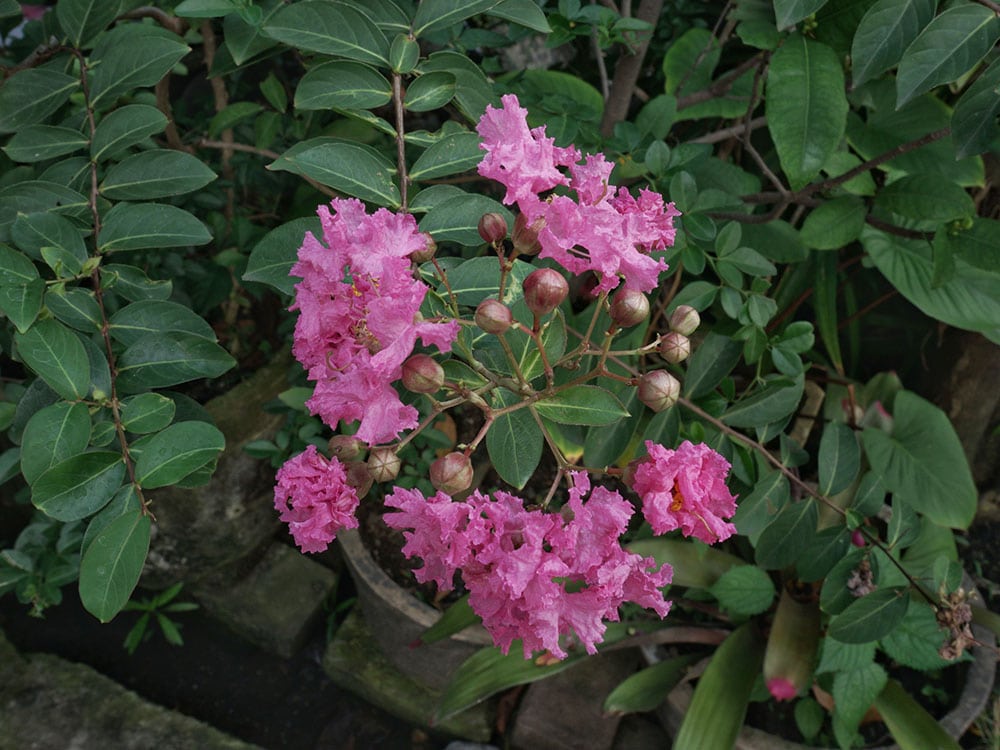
(627,71)
(167,21)
(734,131)
(397,101)
(721,86)
(208,143)
(221,100)
(602,69)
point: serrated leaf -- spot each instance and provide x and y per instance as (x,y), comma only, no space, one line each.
(974,122)
(922,462)
(341,84)
(57,356)
(788,536)
(155,174)
(83,19)
(744,590)
(164,359)
(455,153)
(430,91)
(951,45)
(52,435)
(31,95)
(330,28)
(839,458)
(41,142)
(834,224)
(439,14)
(130,56)
(582,404)
(137,226)
(514,442)
(806,107)
(871,617)
(125,127)
(145,317)
(884,33)
(78,486)
(173,453)
(853,693)
(843,657)
(273,257)
(346,166)
(110,569)
(915,640)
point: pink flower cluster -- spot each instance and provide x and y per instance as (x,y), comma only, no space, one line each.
(313,498)
(685,489)
(359,317)
(604,230)
(532,575)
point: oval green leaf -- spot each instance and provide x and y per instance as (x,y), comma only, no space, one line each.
(871,617)
(788,536)
(138,226)
(145,317)
(147,412)
(582,404)
(514,442)
(78,486)
(155,174)
(110,569)
(164,359)
(40,142)
(884,33)
(839,458)
(342,84)
(272,258)
(124,127)
(455,153)
(52,435)
(57,356)
(346,166)
(130,56)
(330,29)
(173,453)
(430,91)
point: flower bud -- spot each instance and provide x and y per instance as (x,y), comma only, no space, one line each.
(544,289)
(858,539)
(452,473)
(685,320)
(359,477)
(675,347)
(422,256)
(493,316)
(422,374)
(629,307)
(878,417)
(345,447)
(526,237)
(383,464)
(659,390)
(790,656)
(492,227)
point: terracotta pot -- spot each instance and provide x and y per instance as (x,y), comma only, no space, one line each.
(397,619)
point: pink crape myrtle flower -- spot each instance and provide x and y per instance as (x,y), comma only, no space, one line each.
(603,229)
(314,499)
(359,318)
(685,489)
(516,562)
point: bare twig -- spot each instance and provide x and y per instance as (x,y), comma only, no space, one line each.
(627,71)
(602,69)
(734,131)
(397,101)
(208,143)
(167,21)
(221,98)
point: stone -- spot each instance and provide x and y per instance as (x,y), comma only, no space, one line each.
(557,711)
(635,731)
(276,604)
(47,702)
(354,661)
(232,517)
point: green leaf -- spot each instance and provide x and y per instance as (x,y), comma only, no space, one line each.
(522,12)
(231,116)
(828,548)
(35,232)
(78,486)
(273,257)
(744,590)
(720,699)
(974,122)
(514,441)
(341,84)
(354,169)
(853,693)
(457,219)
(774,401)
(922,463)
(712,361)
(788,536)
(244,40)
(22,303)
(84,19)
(806,107)
(137,226)
(76,307)
(915,641)
(164,359)
(926,197)
(834,224)
(756,509)
(173,453)
(15,268)
(648,688)
(949,47)
(57,356)
(110,569)
(910,724)
(582,404)
(844,657)
(155,174)
(145,317)
(825,305)
(884,33)
(690,61)
(478,278)
(430,91)
(40,142)
(473,90)
(125,127)
(52,435)
(130,56)
(31,95)
(790,12)
(452,154)
(839,458)
(871,617)
(132,283)
(439,14)
(206,8)
(330,28)
(147,412)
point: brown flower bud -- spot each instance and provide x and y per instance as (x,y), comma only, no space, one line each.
(422,374)
(526,237)
(659,390)
(422,256)
(493,316)
(629,307)
(492,227)
(675,347)
(383,464)
(452,473)
(345,447)
(544,289)
(685,320)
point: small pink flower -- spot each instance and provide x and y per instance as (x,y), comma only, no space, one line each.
(685,489)
(314,499)
(782,689)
